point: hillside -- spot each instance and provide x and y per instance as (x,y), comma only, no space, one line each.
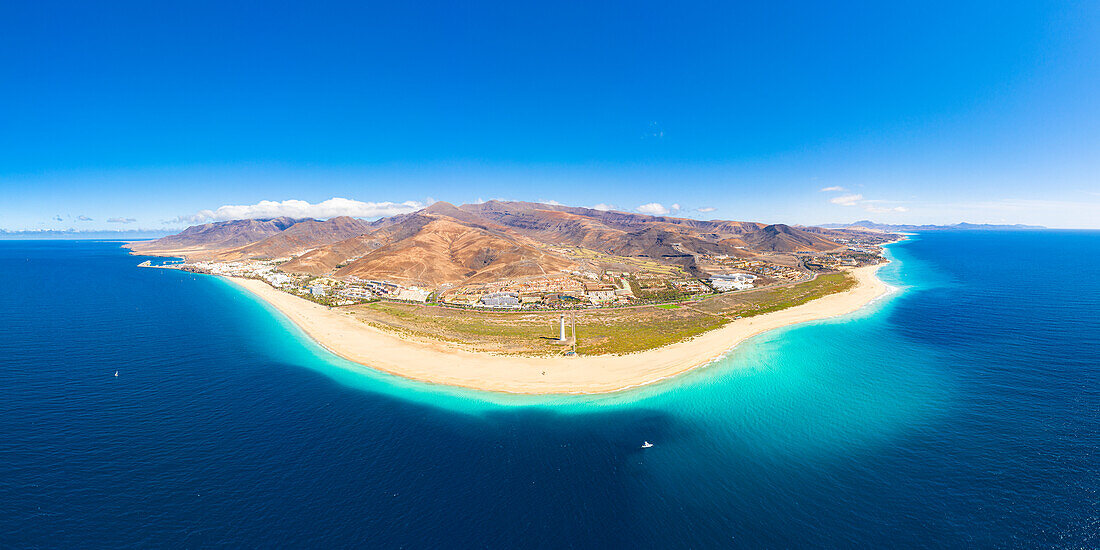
(324,259)
(447,251)
(628,234)
(213,236)
(299,238)
(783,238)
(448,244)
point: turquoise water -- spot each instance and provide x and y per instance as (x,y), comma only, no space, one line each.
(961,410)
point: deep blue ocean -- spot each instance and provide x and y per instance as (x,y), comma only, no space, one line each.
(963,410)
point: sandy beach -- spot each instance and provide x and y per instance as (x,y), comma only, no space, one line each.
(440,363)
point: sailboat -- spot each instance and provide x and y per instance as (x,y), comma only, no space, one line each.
(116,374)
(646,445)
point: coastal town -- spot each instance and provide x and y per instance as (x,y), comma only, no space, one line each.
(593,287)
(501,277)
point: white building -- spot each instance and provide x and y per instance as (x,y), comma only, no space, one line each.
(357,293)
(278,279)
(413,294)
(732,281)
(500,299)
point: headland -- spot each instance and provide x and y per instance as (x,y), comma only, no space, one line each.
(443,363)
(479,295)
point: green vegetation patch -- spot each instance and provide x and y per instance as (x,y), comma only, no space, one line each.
(653,332)
(599,331)
(747,304)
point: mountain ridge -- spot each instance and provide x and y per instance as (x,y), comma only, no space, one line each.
(961,226)
(481,242)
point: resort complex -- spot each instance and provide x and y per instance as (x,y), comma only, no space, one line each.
(489,277)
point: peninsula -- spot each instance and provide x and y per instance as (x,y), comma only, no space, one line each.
(534,298)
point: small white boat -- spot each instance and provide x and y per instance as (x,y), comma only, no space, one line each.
(116,374)
(646,445)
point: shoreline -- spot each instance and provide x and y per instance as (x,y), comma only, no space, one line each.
(441,363)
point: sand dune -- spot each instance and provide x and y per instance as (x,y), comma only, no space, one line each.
(439,363)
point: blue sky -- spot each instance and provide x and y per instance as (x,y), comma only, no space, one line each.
(155,115)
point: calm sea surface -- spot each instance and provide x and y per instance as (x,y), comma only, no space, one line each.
(961,411)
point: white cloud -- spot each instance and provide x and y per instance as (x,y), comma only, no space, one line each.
(603,207)
(832,188)
(706,209)
(58,218)
(883,210)
(657,209)
(847,200)
(121,220)
(83,218)
(330,208)
(551,202)
(876,206)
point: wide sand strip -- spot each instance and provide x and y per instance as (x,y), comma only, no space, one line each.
(441,363)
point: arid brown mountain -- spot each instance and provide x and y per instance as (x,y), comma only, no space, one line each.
(299,238)
(324,259)
(213,236)
(784,238)
(445,250)
(481,242)
(557,227)
(627,234)
(502,212)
